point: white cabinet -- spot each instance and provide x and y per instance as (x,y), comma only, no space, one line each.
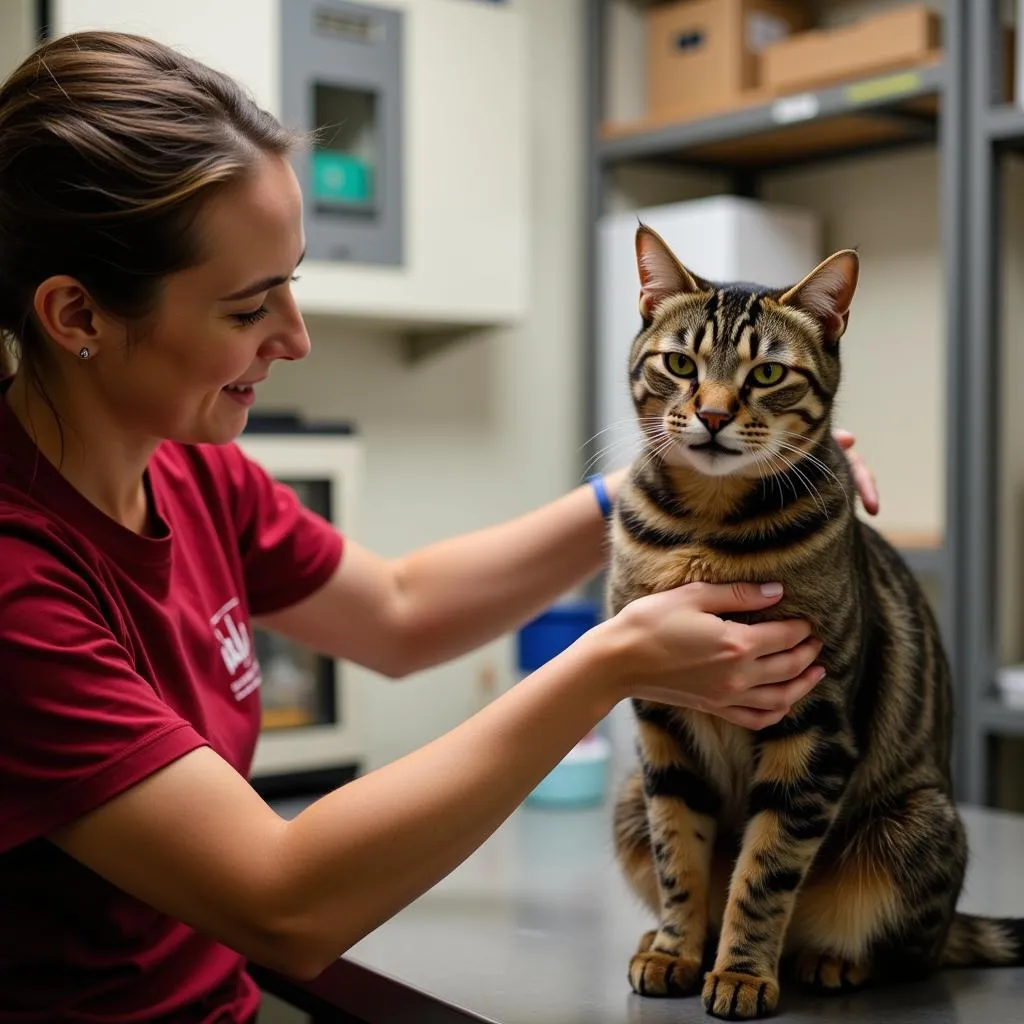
(464,177)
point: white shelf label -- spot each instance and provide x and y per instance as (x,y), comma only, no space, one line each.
(802,107)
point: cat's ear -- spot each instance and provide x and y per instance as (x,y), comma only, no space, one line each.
(661,274)
(826,293)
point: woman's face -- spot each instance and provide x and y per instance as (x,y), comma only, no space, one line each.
(219,326)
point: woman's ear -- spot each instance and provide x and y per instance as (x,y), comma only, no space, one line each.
(661,274)
(68,315)
(826,294)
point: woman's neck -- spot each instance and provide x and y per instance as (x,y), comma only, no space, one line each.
(76,437)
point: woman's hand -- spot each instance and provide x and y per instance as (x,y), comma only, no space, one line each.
(673,648)
(862,476)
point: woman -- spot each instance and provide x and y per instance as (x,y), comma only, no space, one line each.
(150,225)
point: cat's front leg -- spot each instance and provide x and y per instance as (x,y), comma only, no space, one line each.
(803,768)
(681,810)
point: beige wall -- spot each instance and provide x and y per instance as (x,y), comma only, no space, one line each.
(17,33)
(481,430)
(893,392)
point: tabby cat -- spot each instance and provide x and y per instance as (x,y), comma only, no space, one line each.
(830,841)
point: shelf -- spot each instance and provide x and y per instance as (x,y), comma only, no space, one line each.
(998,719)
(922,550)
(924,561)
(871,113)
(1006,124)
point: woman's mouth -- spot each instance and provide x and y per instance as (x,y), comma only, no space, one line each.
(244,394)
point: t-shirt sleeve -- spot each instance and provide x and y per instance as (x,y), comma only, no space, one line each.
(77,724)
(288,550)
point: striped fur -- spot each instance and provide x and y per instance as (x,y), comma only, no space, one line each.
(829,841)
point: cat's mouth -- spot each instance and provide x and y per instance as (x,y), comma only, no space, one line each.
(713,447)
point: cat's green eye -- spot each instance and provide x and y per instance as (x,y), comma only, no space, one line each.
(767,374)
(680,365)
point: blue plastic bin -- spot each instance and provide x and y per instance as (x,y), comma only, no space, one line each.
(552,632)
(581,779)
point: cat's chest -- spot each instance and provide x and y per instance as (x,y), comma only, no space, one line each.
(691,563)
(810,584)
(654,570)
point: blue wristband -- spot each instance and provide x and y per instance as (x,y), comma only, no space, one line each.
(601,493)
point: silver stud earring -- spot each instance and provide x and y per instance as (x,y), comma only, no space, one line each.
(83,353)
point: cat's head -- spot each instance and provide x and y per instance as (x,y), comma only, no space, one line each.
(735,379)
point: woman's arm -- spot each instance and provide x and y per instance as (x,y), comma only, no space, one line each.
(195,841)
(452,596)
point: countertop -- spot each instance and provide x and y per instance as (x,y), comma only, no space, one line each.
(537,928)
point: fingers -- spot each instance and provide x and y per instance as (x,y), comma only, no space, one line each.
(862,476)
(781,697)
(767,705)
(778,668)
(865,481)
(767,638)
(749,718)
(719,598)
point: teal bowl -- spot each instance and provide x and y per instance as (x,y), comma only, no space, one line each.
(580,779)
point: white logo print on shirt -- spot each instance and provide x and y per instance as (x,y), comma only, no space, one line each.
(236,650)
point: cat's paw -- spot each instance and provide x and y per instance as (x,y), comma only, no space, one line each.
(826,973)
(731,996)
(660,974)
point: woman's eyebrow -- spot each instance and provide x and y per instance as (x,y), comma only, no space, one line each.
(260,286)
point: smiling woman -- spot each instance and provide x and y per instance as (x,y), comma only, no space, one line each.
(150,227)
(123,246)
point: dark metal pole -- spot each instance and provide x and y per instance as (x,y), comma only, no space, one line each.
(975,399)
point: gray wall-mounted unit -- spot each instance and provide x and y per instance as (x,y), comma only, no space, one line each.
(341,76)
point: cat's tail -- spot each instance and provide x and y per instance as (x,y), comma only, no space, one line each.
(984,942)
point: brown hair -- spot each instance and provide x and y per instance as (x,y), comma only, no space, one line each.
(109,145)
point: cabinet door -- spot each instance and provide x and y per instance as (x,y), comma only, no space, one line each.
(465,159)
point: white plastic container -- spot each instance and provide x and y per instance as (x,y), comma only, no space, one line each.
(1010,681)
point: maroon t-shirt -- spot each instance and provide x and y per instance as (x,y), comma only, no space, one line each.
(118,654)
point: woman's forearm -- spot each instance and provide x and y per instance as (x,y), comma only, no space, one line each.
(359,854)
(458,594)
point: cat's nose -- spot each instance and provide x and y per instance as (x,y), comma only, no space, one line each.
(714,419)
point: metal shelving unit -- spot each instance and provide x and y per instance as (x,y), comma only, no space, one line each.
(992,129)
(957,107)
(880,112)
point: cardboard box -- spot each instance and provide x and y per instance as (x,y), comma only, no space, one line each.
(703,55)
(901,38)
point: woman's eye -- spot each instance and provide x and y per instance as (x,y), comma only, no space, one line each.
(252,317)
(768,373)
(680,365)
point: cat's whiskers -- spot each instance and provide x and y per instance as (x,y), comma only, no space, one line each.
(626,421)
(762,464)
(809,484)
(815,462)
(792,469)
(762,458)
(664,444)
(606,452)
(621,443)
(783,474)
(780,475)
